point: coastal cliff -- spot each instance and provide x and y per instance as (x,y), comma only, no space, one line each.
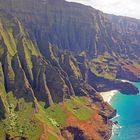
(55,58)
(110,42)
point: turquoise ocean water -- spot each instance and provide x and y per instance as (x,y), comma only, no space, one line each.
(128,108)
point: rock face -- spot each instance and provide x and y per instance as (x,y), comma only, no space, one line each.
(55,57)
(79,28)
(131,74)
(102,84)
(28,77)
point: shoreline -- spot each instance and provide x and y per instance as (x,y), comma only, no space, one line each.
(108,95)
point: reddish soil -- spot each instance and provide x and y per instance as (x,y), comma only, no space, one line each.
(90,127)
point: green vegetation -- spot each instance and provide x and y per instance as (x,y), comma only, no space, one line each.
(19,121)
(104,66)
(51,137)
(28,49)
(54,116)
(8,40)
(78,107)
(137,65)
(27,55)
(2,134)
(1,50)
(75,69)
(2,90)
(57,114)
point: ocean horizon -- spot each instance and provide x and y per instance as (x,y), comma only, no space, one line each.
(128,116)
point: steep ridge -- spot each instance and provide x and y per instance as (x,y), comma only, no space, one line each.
(79,28)
(36,90)
(55,57)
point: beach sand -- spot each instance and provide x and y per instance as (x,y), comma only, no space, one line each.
(107,96)
(125,81)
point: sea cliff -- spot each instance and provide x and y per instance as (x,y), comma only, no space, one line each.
(55,58)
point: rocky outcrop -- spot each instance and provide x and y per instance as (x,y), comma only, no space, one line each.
(40,83)
(73,133)
(102,84)
(22,87)
(69,64)
(28,74)
(131,74)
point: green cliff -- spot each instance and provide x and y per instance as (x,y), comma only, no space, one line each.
(55,57)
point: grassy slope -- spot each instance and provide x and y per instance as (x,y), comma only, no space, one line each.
(55,117)
(21,122)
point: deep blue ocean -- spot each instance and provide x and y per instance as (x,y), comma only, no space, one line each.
(128,109)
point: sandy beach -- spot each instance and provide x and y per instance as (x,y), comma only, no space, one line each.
(125,81)
(107,96)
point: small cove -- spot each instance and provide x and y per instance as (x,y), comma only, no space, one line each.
(128,117)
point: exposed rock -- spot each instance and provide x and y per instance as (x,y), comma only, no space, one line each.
(46,52)
(22,87)
(42,91)
(76,27)
(58,88)
(69,65)
(73,133)
(128,74)
(8,72)
(102,84)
